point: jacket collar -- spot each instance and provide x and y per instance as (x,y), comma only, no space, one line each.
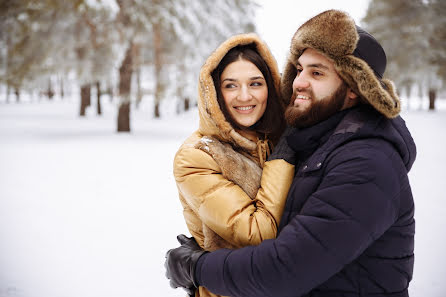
(359,122)
(313,144)
(306,140)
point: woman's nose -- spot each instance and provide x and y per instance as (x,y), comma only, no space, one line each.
(244,94)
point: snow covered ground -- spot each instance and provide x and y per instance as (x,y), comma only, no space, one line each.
(88,212)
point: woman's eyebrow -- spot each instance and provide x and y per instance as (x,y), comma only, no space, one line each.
(229,79)
(251,78)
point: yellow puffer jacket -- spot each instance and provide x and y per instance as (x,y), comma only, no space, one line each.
(228,200)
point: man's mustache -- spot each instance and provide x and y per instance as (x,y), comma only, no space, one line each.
(296,92)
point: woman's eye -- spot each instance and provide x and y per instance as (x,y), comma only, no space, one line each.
(315,73)
(229,86)
(257,84)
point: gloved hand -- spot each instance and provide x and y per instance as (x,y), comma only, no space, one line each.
(282,150)
(180,264)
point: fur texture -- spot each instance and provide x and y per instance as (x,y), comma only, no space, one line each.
(235,167)
(334,34)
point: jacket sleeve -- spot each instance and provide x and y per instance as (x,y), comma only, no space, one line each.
(223,206)
(355,203)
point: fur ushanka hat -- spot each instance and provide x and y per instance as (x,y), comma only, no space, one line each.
(358,58)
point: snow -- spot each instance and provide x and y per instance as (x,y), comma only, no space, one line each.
(88,212)
(85,211)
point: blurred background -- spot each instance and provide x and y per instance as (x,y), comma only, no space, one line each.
(96,96)
(135,50)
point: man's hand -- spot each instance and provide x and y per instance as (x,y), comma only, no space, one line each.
(180,264)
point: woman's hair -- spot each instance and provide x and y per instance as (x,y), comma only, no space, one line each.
(272,122)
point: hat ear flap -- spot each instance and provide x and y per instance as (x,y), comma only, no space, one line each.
(361,78)
(286,83)
(390,90)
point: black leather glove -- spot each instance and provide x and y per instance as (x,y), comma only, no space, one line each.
(282,150)
(180,264)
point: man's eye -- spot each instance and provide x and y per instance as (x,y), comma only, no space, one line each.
(316,73)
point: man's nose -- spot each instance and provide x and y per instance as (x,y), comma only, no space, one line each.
(300,82)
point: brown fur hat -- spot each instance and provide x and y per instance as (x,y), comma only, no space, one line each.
(334,34)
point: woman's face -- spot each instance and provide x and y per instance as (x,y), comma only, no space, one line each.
(244,91)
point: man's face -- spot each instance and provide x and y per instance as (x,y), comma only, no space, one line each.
(318,91)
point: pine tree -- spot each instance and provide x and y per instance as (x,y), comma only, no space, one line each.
(405,28)
(437,44)
(93,39)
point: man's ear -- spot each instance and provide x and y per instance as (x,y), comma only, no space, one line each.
(351,95)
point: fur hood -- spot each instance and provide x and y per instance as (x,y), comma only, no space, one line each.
(212,119)
(335,35)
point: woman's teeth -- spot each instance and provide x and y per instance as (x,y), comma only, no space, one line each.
(244,107)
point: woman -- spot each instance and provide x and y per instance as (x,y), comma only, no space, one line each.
(228,202)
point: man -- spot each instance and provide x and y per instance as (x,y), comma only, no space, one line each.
(348,226)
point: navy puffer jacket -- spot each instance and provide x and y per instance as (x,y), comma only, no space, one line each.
(348,225)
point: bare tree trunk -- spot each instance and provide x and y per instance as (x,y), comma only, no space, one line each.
(157,113)
(125,80)
(110,91)
(408,94)
(62,91)
(98,95)
(420,95)
(7,64)
(186,104)
(50,92)
(157,41)
(85,98)
(7,93)
(138,87)
(432,97)
(124,118)
(181,73)
(17,94)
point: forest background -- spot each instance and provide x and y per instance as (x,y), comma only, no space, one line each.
(96,96)
(135,50)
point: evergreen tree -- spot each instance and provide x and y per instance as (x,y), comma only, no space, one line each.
(406,28)
(107,41)
(437,40)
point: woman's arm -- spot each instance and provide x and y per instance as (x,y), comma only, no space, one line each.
(223,206)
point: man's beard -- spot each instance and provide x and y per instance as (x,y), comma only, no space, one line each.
(318,110)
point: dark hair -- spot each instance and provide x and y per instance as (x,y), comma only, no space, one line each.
(272,122)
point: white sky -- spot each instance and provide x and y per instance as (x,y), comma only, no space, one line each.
(278,20)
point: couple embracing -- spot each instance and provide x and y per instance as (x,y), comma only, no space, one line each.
(296,184)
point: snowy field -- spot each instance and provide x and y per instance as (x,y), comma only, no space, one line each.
(88,212)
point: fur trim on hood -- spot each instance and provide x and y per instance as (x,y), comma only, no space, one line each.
(212,119)
(334,34)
